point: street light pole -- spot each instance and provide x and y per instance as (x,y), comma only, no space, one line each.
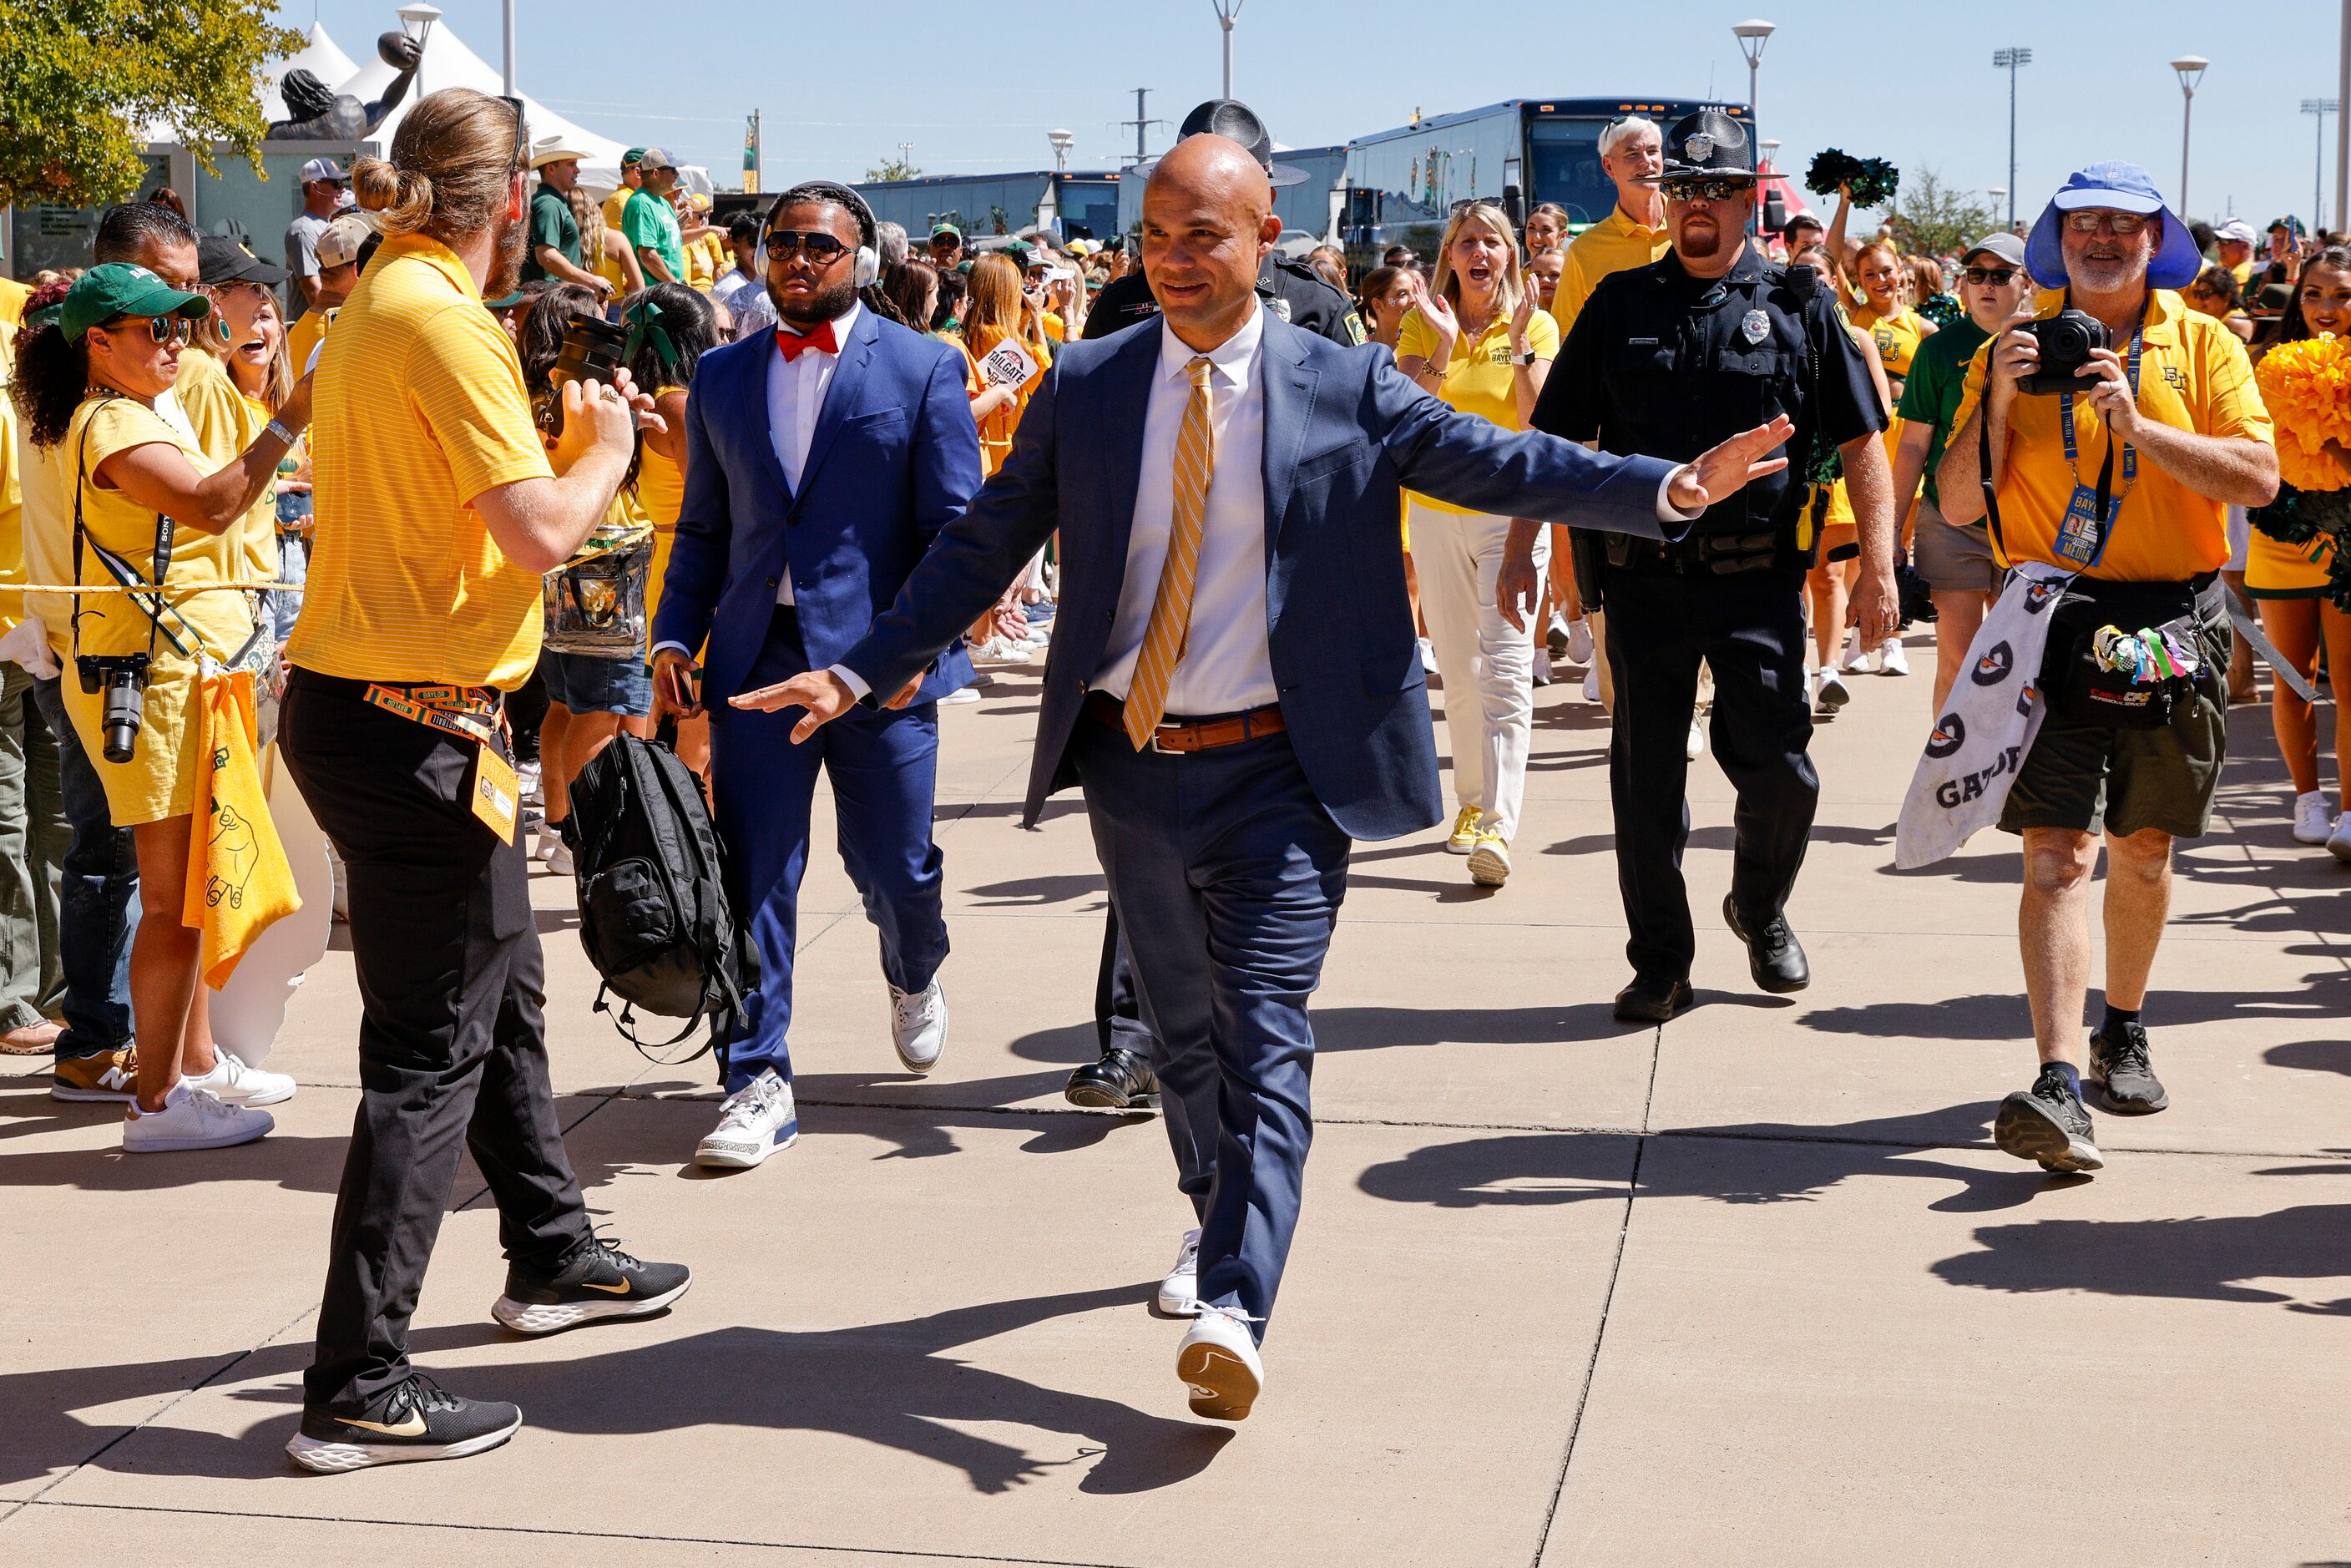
(509,61)
(2009,61)
(2343,126)
(2318,109)
(2192,72)
(1752,34)
(1227,13)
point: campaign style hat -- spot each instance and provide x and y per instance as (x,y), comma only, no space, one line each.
(2121,187)
(344,239)
(219,260)
(552,149)
(1708,143)
(1235,122)
(323,168)
(1999,243)
(123,288)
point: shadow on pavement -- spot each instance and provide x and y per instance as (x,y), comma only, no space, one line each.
(2197,1258)
(2327,994)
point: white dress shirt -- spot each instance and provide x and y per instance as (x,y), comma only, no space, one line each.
(796,389)
(1224,667)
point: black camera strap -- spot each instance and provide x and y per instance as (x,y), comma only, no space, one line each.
(121,570)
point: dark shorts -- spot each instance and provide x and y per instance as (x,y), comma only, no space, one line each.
(2089,778)
(1953,560)
(584,683)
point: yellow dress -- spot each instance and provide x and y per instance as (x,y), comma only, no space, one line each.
(159,782)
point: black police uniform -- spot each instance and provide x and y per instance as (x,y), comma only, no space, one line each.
(1291,289)
(1668,364)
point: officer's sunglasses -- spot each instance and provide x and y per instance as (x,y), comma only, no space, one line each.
(1705,189)
(823,249)
(1994,275)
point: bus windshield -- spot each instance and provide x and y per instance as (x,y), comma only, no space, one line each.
(1566,158)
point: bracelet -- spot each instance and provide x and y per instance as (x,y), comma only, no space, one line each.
(279,431)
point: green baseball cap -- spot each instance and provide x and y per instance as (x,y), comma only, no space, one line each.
(946,230)
(124,289)
(632,157)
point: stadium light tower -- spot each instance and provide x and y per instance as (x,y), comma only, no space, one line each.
(2011,61)
(2318,109)
(1752,34)
(2192,72)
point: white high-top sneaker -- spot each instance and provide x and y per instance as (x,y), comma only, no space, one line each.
(756,1121)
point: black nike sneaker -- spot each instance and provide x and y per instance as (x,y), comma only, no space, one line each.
(2125,1078)
(414,1419)
(2045,1122)
(598,1281)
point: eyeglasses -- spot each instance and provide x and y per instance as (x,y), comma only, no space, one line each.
(522,135)
(1705,189)
(823,249)
(1995,275)
(161,328)
(2090,220)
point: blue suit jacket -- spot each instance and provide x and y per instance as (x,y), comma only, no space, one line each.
(1344,432)
(894,459)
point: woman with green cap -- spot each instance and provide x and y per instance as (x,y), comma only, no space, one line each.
(94,391)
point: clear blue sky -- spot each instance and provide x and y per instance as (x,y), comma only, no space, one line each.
(974,86)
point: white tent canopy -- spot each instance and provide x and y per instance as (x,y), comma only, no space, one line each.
(320,56)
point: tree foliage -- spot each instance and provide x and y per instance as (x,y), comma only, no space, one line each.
(895,168)
(1936,219)
(81,80)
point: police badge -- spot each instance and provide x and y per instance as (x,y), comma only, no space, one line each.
(1696,149)
(1757,326)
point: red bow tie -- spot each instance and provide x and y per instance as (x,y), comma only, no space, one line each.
(795,344)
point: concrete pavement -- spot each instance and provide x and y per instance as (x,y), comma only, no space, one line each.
(1752,1288)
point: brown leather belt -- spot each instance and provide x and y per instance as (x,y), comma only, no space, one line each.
(1182,735)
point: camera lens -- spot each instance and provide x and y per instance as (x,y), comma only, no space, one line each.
(121,717)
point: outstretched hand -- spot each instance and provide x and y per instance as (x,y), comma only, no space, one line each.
(1723,471)
(824,694)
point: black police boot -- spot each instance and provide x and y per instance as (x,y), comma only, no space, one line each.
(1121,1081)
(1653,1000)
(1774,956)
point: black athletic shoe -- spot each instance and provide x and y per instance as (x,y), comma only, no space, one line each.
(598,1281)
(2045,1122)
(415,1420)
(1653,1001)
(2127,1082)
(1121,1081)
(1774,956)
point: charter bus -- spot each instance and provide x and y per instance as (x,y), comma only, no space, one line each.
(1401,185)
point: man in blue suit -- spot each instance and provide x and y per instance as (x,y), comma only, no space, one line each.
(821,461)
(1233,680)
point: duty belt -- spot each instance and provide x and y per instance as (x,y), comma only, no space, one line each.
(470,713)
(1714,554)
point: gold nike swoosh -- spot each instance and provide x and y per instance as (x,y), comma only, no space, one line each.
(620,1290)
(411,1428)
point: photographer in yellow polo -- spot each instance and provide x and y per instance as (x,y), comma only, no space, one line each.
(438,510)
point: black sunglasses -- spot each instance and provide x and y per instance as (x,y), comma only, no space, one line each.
(522,135)
(821,248)
(1705,189)
(1988,274)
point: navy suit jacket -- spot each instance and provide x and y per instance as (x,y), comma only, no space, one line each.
(894,459)
(1344,433)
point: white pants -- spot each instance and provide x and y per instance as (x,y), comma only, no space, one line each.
(1487,668)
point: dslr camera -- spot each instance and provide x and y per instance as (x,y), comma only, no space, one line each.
(591,346)
(2067,341)
(123,678)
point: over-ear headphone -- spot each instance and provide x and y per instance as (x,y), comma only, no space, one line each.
(869,260)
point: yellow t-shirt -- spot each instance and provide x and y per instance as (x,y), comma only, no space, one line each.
(12,491)
(226,422)
(1478,376)
(13,295)
(2243,273)
(997,430)
(660,494)
(1894,338)
(1612,245)
(420,408)
(705,262)
(1055,328)
(2193,376)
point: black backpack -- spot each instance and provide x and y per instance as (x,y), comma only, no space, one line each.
(653,912)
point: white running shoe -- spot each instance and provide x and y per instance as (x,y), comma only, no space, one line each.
(1579,641)
(756,1121)
(527,781)
(918,1025)
(1219,1364)
(1891,660)
(1000,650)
(1592,683)
(234,1083)
(554,851)
(2339,842)
(1851,660)
(1179,1294)
(192,1118)
(959,697)
(2312,825)
(1831,694)
(1695,746)
(1428,655)
(1542,666)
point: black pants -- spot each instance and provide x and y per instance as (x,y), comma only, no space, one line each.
(1749,629)
(1118,1010)
(450,1040)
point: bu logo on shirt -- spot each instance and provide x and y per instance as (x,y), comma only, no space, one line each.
(1950,734)
(1994,667)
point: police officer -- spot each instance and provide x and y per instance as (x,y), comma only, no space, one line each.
(1669,359)
(1290,288)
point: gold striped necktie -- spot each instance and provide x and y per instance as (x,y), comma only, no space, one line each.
(1169,633)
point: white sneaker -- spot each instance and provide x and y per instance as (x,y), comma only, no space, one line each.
(526,781)
(554,851)
(1219,1363)
(192,1118)
(756,1121)
(1542,666)
(1428,655)
(2312,825)
(1579,641)
(1831,694)
(1179,1294)
(2339,842)
(918,1025)
(1890,660)
(959,697)
(1000,650)
(1695,746)
(1851,659)
(234,1083)
(1592,683)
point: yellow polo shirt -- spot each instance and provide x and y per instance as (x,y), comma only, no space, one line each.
(13,295)
(1612,245)
(420,408)
(12,492)
(307,334)
(1478,376)
(2193,376)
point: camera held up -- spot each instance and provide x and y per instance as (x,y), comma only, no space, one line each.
(2067,341)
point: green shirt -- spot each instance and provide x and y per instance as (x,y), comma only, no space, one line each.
(553,227)
(1939,374)
(649,222)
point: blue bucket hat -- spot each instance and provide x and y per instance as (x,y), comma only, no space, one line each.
(2119,187)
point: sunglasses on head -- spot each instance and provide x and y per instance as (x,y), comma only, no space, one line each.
(1703,190)
(522,135)
(161,328)
(1988,274)
(821,248)
(2089,220)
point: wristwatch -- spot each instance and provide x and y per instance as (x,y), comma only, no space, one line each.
(1525,359)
